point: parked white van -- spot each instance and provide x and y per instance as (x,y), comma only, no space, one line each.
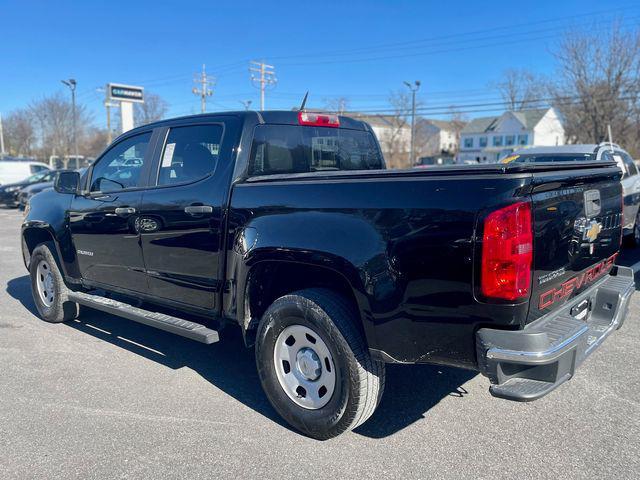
(12,171)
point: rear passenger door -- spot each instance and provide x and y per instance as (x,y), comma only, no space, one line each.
(181,217)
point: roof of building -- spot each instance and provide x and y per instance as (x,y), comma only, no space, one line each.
(529,118)
(376,120)
(480,125)
(441,124)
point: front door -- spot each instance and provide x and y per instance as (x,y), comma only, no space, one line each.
(181,219)
(104,220)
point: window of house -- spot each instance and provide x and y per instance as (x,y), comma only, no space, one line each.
(483,141)
(468,143)
(190,153)
(497,140)
(509,140)
(523,139)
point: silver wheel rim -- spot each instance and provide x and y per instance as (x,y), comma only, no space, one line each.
(304,367)
(45,283)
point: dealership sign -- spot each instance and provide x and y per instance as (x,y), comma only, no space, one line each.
(125,93)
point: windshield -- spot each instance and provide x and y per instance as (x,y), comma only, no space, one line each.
(548,157)
(36,177)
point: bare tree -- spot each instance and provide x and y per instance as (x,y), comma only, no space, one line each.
(599,84)
(458,121)
(397,136)
(153,109)
(53,123)
(93,142)
(338,105)
(519,89)
(19,133)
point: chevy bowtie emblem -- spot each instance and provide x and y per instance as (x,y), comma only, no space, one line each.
(593,230)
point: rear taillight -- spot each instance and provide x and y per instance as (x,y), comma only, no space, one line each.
(318,119)
(507,252)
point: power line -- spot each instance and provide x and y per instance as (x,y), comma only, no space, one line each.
(203,91)
(558,32)
(265,78)
(535,104)
(387,46)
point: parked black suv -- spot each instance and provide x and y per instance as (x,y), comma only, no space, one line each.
(287,225)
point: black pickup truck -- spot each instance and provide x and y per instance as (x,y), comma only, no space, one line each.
(287,225)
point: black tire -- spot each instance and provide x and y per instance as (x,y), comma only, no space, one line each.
(359,379)
(61,308)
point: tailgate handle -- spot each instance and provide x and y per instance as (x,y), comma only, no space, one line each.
(592,204)
(198,209)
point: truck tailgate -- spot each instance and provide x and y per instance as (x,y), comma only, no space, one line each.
(577,219)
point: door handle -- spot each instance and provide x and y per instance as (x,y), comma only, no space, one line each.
(198,209)
(125,211)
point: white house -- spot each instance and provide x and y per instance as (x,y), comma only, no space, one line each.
(439,137)
(394,136)
(488,139)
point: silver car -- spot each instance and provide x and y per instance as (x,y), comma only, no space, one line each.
(602,151)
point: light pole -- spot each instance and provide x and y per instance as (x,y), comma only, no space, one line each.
(414,88)
(246,103)
(71,83)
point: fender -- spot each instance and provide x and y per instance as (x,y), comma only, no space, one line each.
(50,214)
(354,260)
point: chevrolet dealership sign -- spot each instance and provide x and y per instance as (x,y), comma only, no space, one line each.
(125,93)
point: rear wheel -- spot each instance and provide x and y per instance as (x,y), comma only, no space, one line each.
(314,364)
(49,291)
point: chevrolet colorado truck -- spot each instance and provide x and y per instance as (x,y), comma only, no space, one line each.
(288,226)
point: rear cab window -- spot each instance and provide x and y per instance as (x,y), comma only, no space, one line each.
(282,149)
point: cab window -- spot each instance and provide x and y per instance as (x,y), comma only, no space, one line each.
(190,154)
(282,149)
(121,166)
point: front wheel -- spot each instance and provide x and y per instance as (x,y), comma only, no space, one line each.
(314,364)
(49,291)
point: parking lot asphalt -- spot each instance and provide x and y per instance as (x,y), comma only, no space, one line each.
(102,397)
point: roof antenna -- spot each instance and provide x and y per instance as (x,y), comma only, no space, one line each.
(304,101)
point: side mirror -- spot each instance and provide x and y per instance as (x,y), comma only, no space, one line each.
(67,182)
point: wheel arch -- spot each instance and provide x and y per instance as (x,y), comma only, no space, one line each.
(32,236)
(260,290)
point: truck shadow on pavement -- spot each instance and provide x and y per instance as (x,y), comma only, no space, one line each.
(411,390)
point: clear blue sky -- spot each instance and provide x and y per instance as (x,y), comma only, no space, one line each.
(356,49)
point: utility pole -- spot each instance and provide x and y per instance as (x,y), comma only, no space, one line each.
(266,77)
(204,91)
(71,83)
(414,88)
(246,103)
(1,139)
